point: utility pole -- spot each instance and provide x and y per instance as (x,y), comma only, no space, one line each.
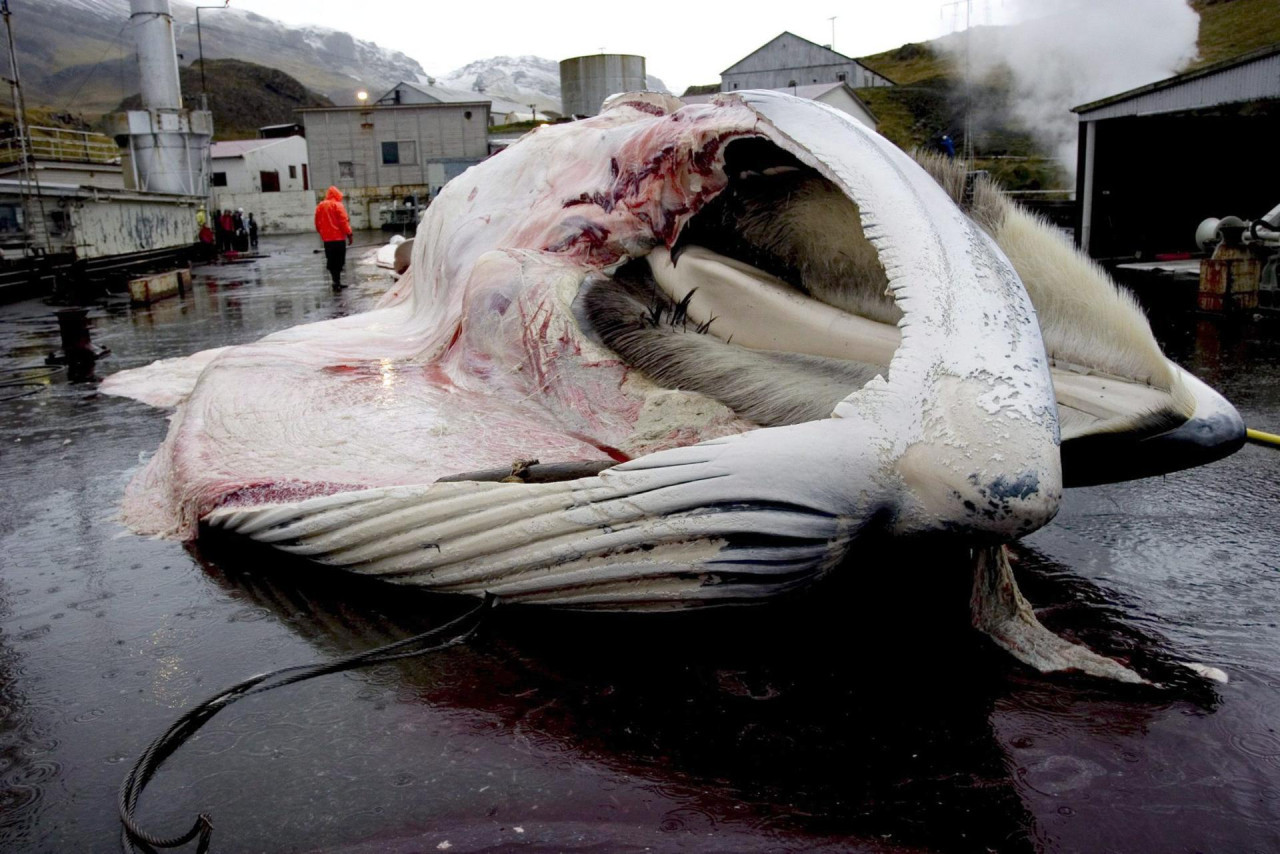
(968,74)
(200,47)
(24,142)
(534,108)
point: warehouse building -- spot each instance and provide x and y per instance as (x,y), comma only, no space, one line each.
(1155,161)
(790,61)
(382,153)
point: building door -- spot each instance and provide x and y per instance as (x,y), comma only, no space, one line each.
(270,181)
(306,181)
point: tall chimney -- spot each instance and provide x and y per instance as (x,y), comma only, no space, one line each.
(168,146)
(152,25)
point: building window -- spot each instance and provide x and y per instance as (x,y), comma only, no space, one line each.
(219,179)
(293,171)
(841,76)
(399,153)
(59,223)
(467,115)
(10,219)
(270,181)
(346,169)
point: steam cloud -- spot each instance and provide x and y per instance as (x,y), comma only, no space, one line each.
(1063,53)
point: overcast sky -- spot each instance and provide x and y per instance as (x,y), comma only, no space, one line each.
(683,42)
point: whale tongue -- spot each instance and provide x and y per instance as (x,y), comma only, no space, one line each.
(761,312)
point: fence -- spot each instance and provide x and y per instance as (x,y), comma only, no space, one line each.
(61,144)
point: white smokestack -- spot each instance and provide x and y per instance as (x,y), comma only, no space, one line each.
(152,24)
(168,145)
(1063,53)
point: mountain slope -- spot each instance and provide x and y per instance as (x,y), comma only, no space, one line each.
(78,54)
(243,96)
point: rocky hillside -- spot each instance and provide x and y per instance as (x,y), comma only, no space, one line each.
(78,54)
(243,96)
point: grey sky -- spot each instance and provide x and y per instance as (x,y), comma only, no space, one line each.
(683,42)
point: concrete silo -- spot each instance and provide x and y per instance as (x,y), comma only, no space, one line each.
(585,81)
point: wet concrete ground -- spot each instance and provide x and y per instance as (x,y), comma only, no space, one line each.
(863,717)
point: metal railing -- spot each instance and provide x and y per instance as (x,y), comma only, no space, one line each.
(61,144)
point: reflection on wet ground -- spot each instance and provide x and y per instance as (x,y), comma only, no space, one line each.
(861,717)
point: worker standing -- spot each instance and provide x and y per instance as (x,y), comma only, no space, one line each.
(335,231)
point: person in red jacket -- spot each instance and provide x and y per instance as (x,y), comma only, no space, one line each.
(335,231)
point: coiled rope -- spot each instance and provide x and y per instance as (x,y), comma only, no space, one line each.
(134,839)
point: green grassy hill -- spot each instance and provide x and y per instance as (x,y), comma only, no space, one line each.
(925,103)
(1231,27)
(243,96)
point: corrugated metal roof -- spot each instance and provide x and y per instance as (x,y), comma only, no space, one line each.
(240,147)
(441,94)
(1252,77)
(838,57)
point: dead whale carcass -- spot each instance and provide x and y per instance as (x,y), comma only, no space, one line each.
(509,340)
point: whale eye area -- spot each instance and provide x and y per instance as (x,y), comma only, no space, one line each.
(771,299)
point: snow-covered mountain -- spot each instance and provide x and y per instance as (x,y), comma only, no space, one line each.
(523,79)
(79,54)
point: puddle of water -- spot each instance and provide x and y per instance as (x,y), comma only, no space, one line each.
(863,718)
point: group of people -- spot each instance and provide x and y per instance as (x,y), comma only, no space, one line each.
(234,231)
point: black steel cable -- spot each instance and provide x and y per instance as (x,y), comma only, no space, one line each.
(134,839)
(32,375)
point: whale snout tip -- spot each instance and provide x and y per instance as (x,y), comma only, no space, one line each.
(1014,505)
(996,503)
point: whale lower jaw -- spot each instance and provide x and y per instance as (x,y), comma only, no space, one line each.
(617,542)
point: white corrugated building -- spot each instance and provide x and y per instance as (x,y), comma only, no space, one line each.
(791,61)
(269,178)
(260,165)
(838,95)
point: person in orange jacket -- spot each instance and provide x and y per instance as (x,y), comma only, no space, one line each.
(335,231)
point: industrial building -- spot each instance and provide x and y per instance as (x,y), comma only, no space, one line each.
(1157,160)
(382,153)
(501,110)
(74,207)
(269,178)
(837,95)
(585,81)
(791,61)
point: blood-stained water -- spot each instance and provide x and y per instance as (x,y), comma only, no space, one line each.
(864,716)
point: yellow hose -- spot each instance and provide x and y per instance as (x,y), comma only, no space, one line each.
(1263,438)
